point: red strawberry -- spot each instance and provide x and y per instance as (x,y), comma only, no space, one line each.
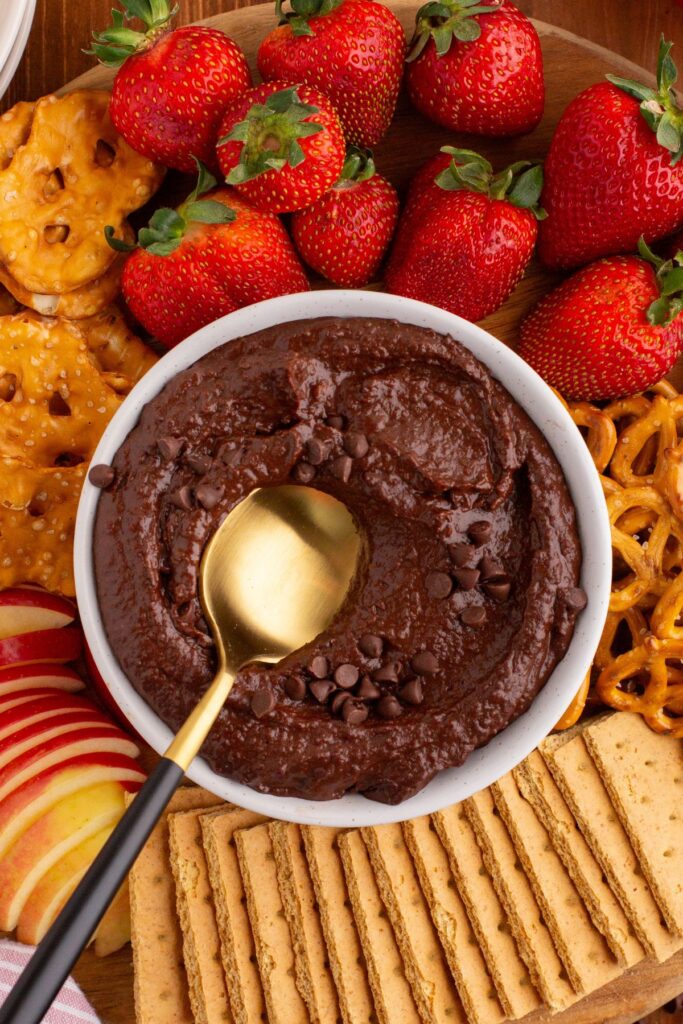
(205,259)
(281,146)
(172,87)
(351,50)
(476,67)
(613,172)
(345,233)
(466,235)
(613,328)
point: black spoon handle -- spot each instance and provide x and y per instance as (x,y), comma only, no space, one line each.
(53,960)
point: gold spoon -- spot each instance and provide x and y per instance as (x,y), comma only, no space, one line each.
(272,578)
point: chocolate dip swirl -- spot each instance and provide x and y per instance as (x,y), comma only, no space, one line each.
(465,600)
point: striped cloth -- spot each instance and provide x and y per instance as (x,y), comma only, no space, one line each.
(70,1006)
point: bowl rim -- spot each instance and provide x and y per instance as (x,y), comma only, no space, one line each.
(518,739)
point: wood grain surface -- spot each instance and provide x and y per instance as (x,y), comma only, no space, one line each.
(631,27)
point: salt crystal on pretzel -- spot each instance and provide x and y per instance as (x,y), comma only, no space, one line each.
(59,403)
(88,300)
(71,177)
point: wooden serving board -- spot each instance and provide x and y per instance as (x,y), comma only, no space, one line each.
(571,64)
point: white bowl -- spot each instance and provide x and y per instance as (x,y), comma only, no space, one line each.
(513,744)
(16,18)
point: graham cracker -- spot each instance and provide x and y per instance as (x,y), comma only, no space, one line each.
(643,773)
(160,982)
(272,938)
(473,981)
(339,927)
(392,994)
(194,903)
(490,924)
(425,966)
(577,777)
(515,893)
(538,787)
(582,949)
(238,952)
(312,968)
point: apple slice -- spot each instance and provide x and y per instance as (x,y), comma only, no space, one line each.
(44,645)
(114,928)
(54,835)
(14,715)
(44,730)
(105,738)
(36,796)
(33,677)
(25,611)
(55,887)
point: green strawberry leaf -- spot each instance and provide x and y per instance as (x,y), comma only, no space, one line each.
(358,166)
(163,248)
(659,107)
(526,189)
(658,312)
(117,243)
(114,45)
(672,282)
(465,30)
(301,11)
(635,89)
(209,211)
(668,133)
(205,181)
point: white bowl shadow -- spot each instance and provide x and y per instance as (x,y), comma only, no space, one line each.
(515,742)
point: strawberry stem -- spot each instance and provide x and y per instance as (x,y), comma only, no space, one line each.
(666,308)
(113,46)
(167,227)
(270,134)
(358,166)
(444,20)
(659,106)
(301,12)
(520,184)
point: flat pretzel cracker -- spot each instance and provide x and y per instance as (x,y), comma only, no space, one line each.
(71,177)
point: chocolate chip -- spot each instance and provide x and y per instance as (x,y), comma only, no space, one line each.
(371,646)
(341,467)
(354,713)
(339,700)
(356,444)
(295,688)
(321,689)
(498,588)
(490,568)
(461,554)
(199,464)
(473,616)
(303,472)
(316,451)
(424,663)
(438,584)
(182,498)
(319,666)
(576,599)
(411,692)
(386,674)
(336,422)
(346,676)
(170,447)
(208,496)
(262,702)
(479,532)
(230,456)
(102,476)
(467,578)
(367,689)
(389,707)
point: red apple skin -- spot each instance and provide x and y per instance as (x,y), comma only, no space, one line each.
(46,729)
(27,677)
(25,611)
(102,691)
(44,645)
(55,702)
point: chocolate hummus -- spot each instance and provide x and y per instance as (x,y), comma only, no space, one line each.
(467,599)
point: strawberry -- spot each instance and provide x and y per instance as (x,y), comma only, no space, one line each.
(172,87)
(205,259)
(351,50)
(466,234)
(281,146)
(476,67)
(613,328)
(345,233)
(613,172)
